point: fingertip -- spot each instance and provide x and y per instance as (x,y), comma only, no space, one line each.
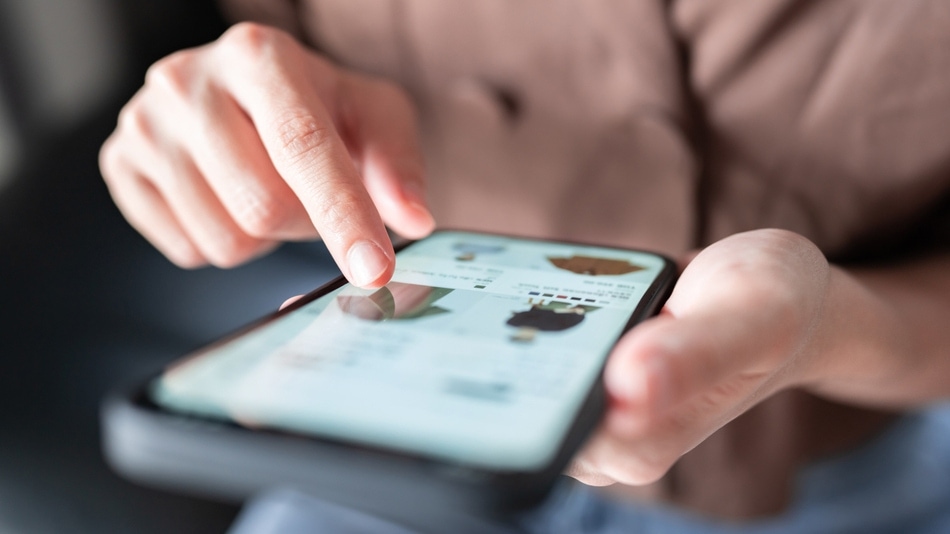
(369,265)
(424,219)
(418,224)
(419,221)
(398,191)
(189,265)
(290,301)
(185,256)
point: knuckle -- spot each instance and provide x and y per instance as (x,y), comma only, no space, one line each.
(171,171)
(109,156)
(784,238)
(134,121)
(336,210)
(259,214)
(172,74)
(300,136)
(793,250)
(252,41)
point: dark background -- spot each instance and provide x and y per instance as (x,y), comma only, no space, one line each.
(86,304)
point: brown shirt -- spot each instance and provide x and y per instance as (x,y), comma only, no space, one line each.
(662,124)
(667,125)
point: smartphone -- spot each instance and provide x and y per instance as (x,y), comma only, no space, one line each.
(466,383)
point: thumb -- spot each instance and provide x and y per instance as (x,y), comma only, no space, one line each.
(671,360)
(742,310)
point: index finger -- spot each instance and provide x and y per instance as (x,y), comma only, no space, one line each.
(299,136)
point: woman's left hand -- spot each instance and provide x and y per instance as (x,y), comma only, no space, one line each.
(742,323)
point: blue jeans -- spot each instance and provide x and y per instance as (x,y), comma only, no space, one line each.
(899,482)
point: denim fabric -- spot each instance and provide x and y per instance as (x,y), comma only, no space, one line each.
(897,483)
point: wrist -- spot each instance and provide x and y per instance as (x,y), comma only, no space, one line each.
(859,347)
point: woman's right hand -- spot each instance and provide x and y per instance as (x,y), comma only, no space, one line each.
(253,139)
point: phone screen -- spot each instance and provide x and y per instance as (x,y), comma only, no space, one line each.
(480,351)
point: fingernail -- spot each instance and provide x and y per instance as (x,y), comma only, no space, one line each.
(367,262)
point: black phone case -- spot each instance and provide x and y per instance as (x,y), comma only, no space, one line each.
(222,460)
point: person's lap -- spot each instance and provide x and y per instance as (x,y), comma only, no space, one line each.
(899,482)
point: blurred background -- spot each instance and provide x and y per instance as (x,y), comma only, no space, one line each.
(86,303)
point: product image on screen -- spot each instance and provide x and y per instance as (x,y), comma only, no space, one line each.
(480,351)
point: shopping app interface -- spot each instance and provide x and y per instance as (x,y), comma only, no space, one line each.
(480,351)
